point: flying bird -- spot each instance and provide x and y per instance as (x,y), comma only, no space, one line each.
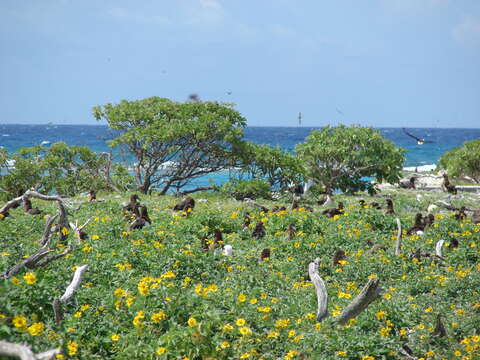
(339,111)
(229,93)
(420,141)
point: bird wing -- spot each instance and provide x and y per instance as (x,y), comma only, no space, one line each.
(412,136)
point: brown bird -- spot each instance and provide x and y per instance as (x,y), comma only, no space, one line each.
(259,231)
(246,220)
(335,211)
(338,256)
(134,203)
(417,226)
(375,205)
(27,207)
(428,220)
(276,209)
(142,219)
(460,214)
(265,254)
(92,196)
(453,243)
(291,231)
(410,184)
(447,186)
(185,205)
(390,209)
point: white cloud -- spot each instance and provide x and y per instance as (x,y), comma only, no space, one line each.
(204,12)
(413,5)
(468,31)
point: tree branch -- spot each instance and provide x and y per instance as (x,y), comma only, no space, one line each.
(320,288)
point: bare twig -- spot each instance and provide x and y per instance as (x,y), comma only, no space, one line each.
(48,230)
(320,288)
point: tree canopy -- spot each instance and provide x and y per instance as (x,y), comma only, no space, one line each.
(174,142)
(463,160)
(343,157)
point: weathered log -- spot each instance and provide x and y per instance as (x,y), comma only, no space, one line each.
(57,310)
(369,293)
(28,262)
(24,352)
(74,284)
(320,288)
(398,244)
(53,258)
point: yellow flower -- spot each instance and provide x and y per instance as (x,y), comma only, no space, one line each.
(227,327)
(273,334)
(341,353)
(20,322)
(157,317)
(429,309)
(78,314)
(381,315)
(387,296)
(225,345)
(95,237)
(161,350)
(72,348)
(65,231)
(368,357)
(192,322)
(241,297)
(115,337)
(245,355)
(15,280)
(385,332)
(30,278)
(85,307)
(245,331)
(253,301)
(240,322)
(120,292)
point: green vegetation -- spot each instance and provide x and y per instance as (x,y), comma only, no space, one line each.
(193,138)
(341,157)
(463,161)
(65,170)
(155,294)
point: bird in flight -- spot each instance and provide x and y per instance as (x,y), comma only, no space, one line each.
(339,111)
(420,141)
(229,93)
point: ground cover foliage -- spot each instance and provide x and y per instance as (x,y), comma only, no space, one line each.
(155,294)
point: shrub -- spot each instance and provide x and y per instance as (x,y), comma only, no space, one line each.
(241,189)
(463,161)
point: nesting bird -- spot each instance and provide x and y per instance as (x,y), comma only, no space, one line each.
(265,254)
(259,231)
(418,225)
(133,204)
(291,231)
(186,205)
(338,256)
(461,214)
(246,220)
(27,207)
(142,219)
(390,209)
(334,211)
(428,220)
(447,186)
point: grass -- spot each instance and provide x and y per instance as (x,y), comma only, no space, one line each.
(154,294)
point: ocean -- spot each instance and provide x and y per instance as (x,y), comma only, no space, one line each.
(13,137)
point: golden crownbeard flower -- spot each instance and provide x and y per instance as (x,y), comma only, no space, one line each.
(241,298)
(157,317)
(72,348)
(245,331)
(161,350)
(30,278)
(240,322)
(225,345)
(115,337)
(192,322)
(20,322)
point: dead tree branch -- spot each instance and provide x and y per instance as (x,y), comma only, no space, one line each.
(398,244)
(320,288)
(24,352)
(74,284)
(369,293)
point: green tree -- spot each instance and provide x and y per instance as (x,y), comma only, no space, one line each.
(463,161)
(342,157)
(174,143)
(273,164)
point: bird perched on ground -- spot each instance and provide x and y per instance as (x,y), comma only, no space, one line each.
(259,231)
(142,219)
(447,186)
(428,220)
(133,204)
(375,205)
(27,207)
(390,209)
(186,205)
(296,205)
(92,196)
(265,254)
(453,243)
(291,231)
(338,256)
(461,214)
(417,226)
(276,209)
(246,220)
(408,185)
(334,211)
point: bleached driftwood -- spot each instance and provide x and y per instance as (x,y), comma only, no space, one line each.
(398,244)
(438,248)
(24,352)
(369,293)
(48,230)
(29,262)
(74,284)
(57,310)
(77,229)
(320,288)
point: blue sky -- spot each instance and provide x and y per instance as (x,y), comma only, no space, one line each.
(413,63)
